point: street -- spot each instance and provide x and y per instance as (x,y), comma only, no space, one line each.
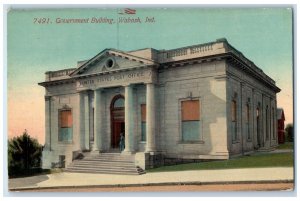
(177,188)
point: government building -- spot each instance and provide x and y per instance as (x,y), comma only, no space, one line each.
(195,103)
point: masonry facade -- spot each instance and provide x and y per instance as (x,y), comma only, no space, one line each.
(205,101)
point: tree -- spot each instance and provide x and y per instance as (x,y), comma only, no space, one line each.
(289,132)
(24,155)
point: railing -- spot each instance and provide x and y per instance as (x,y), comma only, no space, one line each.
(61,72)
(53,75)
(188,51)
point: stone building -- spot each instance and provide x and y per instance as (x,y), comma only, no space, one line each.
(204,101)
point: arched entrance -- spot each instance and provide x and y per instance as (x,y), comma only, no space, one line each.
(117,120)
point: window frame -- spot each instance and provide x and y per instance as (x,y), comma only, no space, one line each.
(248,121)
(234,130)
(59,126)
(200,140)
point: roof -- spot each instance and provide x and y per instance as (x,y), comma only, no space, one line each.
(219,49)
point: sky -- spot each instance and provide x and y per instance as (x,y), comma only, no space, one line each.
(263,35)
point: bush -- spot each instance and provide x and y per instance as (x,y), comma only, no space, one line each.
(289,132)
(24,155)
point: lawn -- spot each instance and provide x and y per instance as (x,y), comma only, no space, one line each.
(254,161)
(286,145)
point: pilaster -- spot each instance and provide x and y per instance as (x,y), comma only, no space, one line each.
(98,121)
(150,118)
(48,123)
(129,121)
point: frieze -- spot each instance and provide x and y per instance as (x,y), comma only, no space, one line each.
(116,79)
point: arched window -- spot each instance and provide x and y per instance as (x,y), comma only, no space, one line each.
(119,102)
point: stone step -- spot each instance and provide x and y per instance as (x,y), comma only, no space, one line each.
(104,172)
(105,163)
(110,156)
(101,165)
(92,162)
(103,168)
(107,160)
(108,170)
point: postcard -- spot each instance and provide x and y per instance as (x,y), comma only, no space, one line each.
(141,99)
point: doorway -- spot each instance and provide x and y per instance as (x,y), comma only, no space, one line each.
(117,113)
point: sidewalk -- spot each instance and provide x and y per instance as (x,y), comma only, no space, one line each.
(64,179)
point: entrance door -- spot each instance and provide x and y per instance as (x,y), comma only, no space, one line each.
(117,120)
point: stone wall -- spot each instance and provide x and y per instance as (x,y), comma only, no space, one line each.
(205,82)
(245,89)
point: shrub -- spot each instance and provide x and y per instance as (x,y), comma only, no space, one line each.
(24,155)
(289,132)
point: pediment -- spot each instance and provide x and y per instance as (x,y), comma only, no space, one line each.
(110,60)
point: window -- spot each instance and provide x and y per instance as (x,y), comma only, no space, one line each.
(267,124)
(65,126)
(190,120)
(258,126)
(248,121)
(119,103)
(143,123)
(234,119)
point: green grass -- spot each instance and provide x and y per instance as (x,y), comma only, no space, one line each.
(286,145)
(254,161)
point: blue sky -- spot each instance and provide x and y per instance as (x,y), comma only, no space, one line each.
(264,35)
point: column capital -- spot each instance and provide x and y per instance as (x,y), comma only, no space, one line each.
(48,98)
(85,91)
(151,83)
(127,85)
(99,89)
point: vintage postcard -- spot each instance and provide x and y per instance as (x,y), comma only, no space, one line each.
(141,99)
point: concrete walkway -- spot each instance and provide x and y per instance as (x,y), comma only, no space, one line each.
(64,179)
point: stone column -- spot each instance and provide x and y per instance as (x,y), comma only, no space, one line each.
(129,126)
(48,123)
(150,118)
(86,121)
(98,121)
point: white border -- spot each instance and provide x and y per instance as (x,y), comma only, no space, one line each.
(159,3)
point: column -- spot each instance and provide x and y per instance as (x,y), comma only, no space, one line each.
(150,118)
(86,121)
(98,121)
(129,126)
(48,123)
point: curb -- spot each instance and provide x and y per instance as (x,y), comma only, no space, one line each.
(154,184)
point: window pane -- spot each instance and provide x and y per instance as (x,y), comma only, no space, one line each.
(66,119)
(234,129)
(144,136)
(119,102)
(248,113)
(65,134)
(190,130)
(190,110)
(143,111)
(233,111)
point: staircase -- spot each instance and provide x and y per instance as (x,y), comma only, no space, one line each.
(106,163)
